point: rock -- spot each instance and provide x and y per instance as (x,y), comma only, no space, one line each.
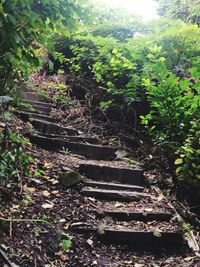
(70,177)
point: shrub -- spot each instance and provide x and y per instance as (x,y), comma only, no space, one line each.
(14,161)
(189,156)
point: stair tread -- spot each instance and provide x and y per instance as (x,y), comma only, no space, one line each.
(113,194)
(151,239)
(34,115)
(87,150)
(135,215)
(39,103)
(72,138)
(112,185)
(52,127)
(125,175)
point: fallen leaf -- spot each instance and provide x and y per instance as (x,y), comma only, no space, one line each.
(46,177)
(120,154)
(45,193)
(55,192)
(31,189)
(91,199)
(90,242)
(63,257)
(148,209)
(190,258)
(54,181)
(161,197)
(131,204)
(128,262)
(48,206)
(46,164)
(62,220)
(154,197)
(118,204)
(66,227)
(36,181)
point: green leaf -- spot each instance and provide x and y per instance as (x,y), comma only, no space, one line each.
(66,244)
(179,161)
(195,72)
(115,51)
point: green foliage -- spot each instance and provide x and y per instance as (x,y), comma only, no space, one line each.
(24,27)
(189,155)
(66,242)
(174,103)
(106,61)
(65,151)
(180,42)
(14,162)
(160,67)
(59,94)
(120,66)
(186,10)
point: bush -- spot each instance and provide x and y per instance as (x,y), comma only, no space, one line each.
(25,33)
(174,102)
(189,156)
(120,66)
(14,161)
(159,69)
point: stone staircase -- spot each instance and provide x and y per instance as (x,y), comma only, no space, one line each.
(110,183)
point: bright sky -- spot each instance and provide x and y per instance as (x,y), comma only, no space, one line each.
(144,8)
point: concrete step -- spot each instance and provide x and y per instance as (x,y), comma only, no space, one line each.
(90,151)
(113,186)
(124,175)
(113,194)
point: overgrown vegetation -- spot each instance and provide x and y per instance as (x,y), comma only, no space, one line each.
(14,161)
(158,66)
(155,64)
(144,75)
(25,33)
